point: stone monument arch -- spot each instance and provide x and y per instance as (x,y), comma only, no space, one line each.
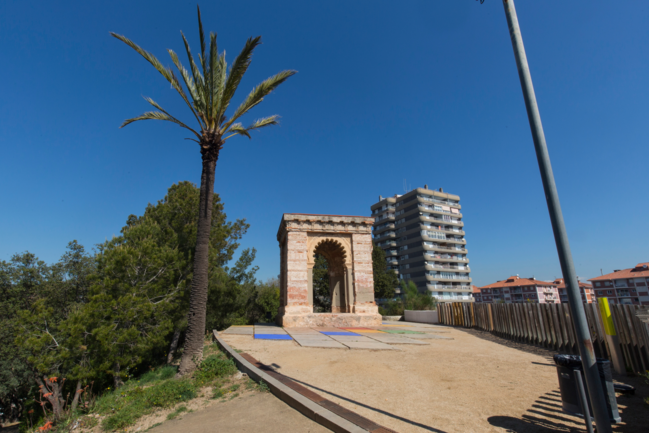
(346,244)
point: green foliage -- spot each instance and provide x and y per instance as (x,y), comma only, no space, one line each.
(36,301)
(127,404)
(321,293)
(214,367)
(413,300)
(211,87)
(385,280)
(177,412)
(155,375)
(392,308)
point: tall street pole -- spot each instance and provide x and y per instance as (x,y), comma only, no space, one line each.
(584,342)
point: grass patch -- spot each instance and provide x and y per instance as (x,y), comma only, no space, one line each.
(214,367)
(234,387)
(153,426)
(157,374)
(127,405)
(177,412)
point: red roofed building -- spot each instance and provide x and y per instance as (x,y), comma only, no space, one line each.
(626,286)
(476,293)
(587,292)
(516,289)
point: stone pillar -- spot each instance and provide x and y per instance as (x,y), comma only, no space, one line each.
(363,274)
(309,284)
(297,296)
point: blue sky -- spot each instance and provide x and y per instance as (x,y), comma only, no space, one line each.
(425,91)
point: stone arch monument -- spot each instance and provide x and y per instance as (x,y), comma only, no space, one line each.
(346,243)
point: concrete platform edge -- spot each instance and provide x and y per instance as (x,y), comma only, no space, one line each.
(297,401)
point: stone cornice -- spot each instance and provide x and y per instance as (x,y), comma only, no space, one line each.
(324,224)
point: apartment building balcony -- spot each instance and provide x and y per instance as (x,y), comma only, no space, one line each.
(383,227)
(445,230)
(431,209)
(392,261)
(447,288)
(382,209)
(436,247)
(388,243)
(436,278)
(390,252)
(445,258)
(385,235)
(432,219)
(387,216)
(424,199)
(441,267)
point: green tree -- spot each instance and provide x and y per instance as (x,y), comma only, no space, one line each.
(413,299)
(385,280)
(321,292)
(58,292)
(21,280)
(210,87)
(177,215)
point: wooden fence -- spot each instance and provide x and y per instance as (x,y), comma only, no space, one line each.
(550,326)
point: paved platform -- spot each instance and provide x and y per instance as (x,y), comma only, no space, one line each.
(383,337)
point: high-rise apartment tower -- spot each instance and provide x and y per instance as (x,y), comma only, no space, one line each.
(422,234)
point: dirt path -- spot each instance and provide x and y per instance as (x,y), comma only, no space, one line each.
(470,384)
(254,413)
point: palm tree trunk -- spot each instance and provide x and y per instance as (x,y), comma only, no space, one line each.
(194,335)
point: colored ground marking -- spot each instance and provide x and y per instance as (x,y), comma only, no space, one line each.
(402,331)
(272,337)
(369,331)
(351,334)
(354,328)
(397,325)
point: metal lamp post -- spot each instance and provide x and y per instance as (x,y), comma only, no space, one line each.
(584,342)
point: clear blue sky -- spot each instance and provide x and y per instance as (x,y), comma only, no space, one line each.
(387,90)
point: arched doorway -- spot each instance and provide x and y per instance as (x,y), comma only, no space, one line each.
(333,252)
(345,244)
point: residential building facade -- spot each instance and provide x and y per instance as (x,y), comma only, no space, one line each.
(587,292)
(477,294)
(624,286)
(422,234)
(515,289)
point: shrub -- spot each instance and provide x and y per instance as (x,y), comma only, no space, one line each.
(129,404)
(214,367)
(163,373)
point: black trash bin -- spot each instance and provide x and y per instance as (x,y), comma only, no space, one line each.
(566,367)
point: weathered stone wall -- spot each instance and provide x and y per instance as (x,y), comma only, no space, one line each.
(298,236)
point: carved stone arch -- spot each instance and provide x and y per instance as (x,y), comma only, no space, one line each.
(346,242)
(316,239)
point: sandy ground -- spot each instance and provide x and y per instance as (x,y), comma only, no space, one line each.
(256,412)
(474,383)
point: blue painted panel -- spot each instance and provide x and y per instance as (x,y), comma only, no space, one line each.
(272,337)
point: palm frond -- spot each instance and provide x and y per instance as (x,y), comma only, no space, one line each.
(239,68)
(157,115)
(202,37)
(198,78)
(258,93)
(237,129)
(213,72)
(165,72)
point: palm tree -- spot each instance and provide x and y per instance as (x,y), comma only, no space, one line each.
(210,88)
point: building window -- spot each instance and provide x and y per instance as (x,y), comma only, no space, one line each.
(609,292)
(597,283)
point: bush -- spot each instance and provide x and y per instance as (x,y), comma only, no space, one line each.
(214,367)
(163,373)
(127,404)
